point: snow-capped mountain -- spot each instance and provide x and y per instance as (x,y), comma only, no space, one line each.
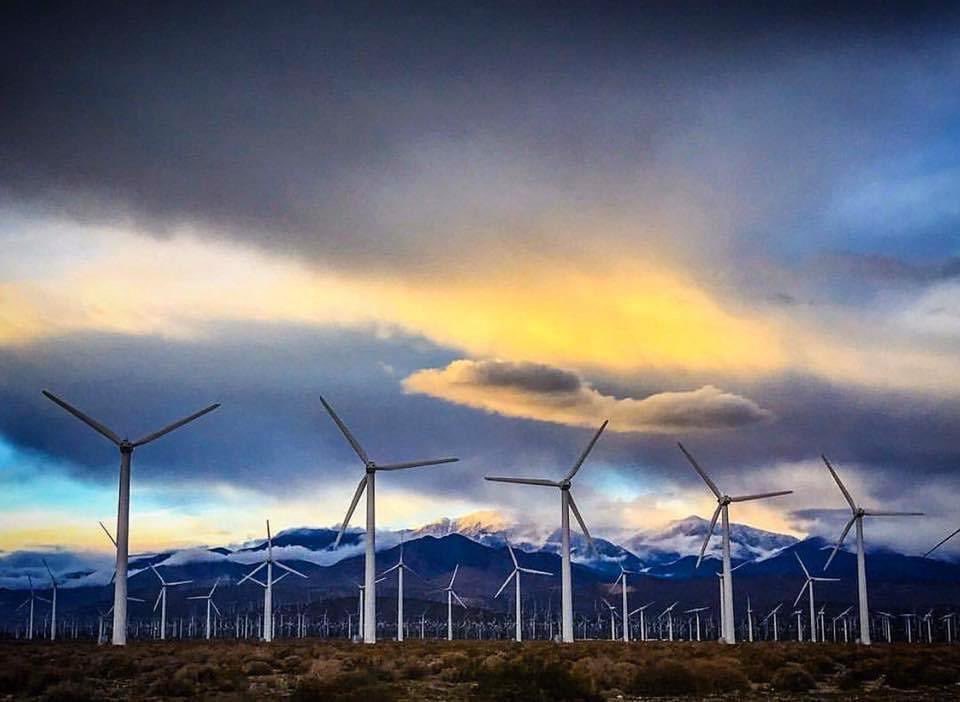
(684,537)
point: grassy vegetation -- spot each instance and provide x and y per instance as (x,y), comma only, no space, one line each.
(473,671)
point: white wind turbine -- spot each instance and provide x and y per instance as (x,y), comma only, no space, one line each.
(162,598)
(451,595)
(567,503)
(399,567)
(842,617)
(210,603)
(126,448)
(515,575)
(947,619)
(53,601)
(858,514)
(613,619)
(643,628)
(668,613)
(367,482)
(888,633)
(30,601)
(622,581)
(798,613)
(268,583)
(773,614)
(808,585)
(723,503)
(696,612)
(749,621)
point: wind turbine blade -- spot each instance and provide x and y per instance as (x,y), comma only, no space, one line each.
(872,513)
(505,583)
(523,481)
(843,535)
(843,489)
(213,589)
(457,598)
(86,419)
(289,569)
(196,597)
(513,557)
(179,582)
(800,594)
(739,565)
(353,505)
(417,464)
(390,569)
(130,599)
(157,603)
(109,535)
(157,573)
(176,425)
(701,471)
(278,579)
(49,572)
(825,580)
(346,433)
(583,526)
(805,571)
(942,542)
(706,541)
(761,496)
(454,576)
(253,572)
(586,452)
(215,608)
(534,572)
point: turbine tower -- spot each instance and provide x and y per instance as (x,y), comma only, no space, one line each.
(210,603)
(643,628)
(858,514)
(808,585)
(451,595)
(613,619)
(367,482)
(723,503)
(399,567)
(30,601)
(696,612)
(515,574)
(567,504)
(162,598)
(53,601)
(268,583)
(668,613)
(773,614)
(622,581)
(126,448)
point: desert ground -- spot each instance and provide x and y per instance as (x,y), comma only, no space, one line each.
(432,670)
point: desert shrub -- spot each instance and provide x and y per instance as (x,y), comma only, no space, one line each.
(792,677)
(257,667)
(69,691)
(718,675)
(196,673)
(604,673)
(354,686)
(663,677)
(530,677)
(14,676)
(292,664)
(169,686)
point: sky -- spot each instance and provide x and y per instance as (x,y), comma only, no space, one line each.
(478,231)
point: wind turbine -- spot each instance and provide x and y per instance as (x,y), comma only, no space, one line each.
(928,618)
(887,617)
(210,603)
(451,595)
(162,599)
(947,619)
(515,574)
(643,628)
(842,616)
(668,613)
(53,601)
(908,625)
(696,611)
(268,583)
(367,482)
(723,503)
(399,567)
(126,448)
(798,613)
(808,585)
(622,581)
(567,503)
(773,613)
(858,514)
(613,619)
(30,601)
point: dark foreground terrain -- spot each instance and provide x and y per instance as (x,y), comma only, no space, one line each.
(305,670)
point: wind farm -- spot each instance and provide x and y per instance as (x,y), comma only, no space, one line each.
(510,351)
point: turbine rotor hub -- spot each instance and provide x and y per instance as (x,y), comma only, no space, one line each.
(126,446)
(725,500)
(370,467)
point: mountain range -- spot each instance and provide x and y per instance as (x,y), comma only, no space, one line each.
(663,562)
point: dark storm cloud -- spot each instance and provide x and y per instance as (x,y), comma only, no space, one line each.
(532,377)
(363,131)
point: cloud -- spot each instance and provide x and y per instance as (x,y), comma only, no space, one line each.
(536,391)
